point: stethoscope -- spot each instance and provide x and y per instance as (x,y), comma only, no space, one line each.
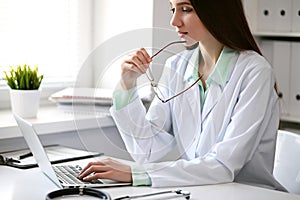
(105,196)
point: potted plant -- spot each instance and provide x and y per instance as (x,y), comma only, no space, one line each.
(24,83)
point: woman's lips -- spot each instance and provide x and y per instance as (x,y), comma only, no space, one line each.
(182,34)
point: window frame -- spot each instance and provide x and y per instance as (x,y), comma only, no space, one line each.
(85,20)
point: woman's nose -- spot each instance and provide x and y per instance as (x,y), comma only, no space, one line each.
(175,20)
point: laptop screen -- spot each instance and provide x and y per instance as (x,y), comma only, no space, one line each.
(37,149)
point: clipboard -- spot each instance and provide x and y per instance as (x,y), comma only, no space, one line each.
(56,154)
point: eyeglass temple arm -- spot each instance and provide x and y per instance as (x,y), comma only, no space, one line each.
(183,91)
(175,42)
(160,50)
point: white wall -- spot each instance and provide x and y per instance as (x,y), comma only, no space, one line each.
(85,40)
(123,26)
(114,35)
(163,33)
(118,16)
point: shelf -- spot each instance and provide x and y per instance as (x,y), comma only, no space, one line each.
(54,120)
(289,118)
(277,34)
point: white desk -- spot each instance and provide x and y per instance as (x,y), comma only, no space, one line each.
(32,184)
(51,119)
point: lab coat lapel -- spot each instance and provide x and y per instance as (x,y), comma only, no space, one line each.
(189,105)
(193,99)
(212,98)
(192,95)
(194,103)
(188,120)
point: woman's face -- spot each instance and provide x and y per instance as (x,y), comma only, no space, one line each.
(187,23)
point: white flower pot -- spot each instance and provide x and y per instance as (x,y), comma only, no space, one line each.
(25,103)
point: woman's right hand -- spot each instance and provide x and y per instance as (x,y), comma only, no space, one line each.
(133,66)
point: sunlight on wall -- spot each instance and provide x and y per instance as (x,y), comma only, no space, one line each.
(113,18)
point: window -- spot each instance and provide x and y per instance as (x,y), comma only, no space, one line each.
(52,34)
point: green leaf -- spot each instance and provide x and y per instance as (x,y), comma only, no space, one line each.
(23,77)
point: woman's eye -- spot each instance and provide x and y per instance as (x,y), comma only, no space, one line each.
(186,9)
(183,9)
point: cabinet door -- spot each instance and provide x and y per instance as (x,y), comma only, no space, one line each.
(265,15)
(295,80)
(282,15)
(281,64)
(295,15)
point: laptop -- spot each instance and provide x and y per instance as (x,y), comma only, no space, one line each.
(64,176)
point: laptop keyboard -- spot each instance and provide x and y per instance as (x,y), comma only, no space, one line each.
(68,174)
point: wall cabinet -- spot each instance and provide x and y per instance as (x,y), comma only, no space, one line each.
(276,26)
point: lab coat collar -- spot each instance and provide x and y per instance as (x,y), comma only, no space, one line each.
(227,58)
(220,73)
(222,68)
(192,63)
(220,77)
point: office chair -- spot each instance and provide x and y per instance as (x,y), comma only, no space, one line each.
(287,161)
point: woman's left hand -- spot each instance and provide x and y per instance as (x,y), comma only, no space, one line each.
(106,169)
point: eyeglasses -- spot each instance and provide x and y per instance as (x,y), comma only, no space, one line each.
(154,85)
(7,161)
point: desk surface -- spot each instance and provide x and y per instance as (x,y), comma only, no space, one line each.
(51,119)
(18,184)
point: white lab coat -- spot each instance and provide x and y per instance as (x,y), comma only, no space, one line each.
(232,139)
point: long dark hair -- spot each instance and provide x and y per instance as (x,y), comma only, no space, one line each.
(226,21)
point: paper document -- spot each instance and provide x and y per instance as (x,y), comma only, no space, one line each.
(95,96)
(83,96)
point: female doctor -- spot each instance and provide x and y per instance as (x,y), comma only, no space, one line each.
(224,126)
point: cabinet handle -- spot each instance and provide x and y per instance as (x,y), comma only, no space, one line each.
(298,97)
(266,12)
(282,12)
